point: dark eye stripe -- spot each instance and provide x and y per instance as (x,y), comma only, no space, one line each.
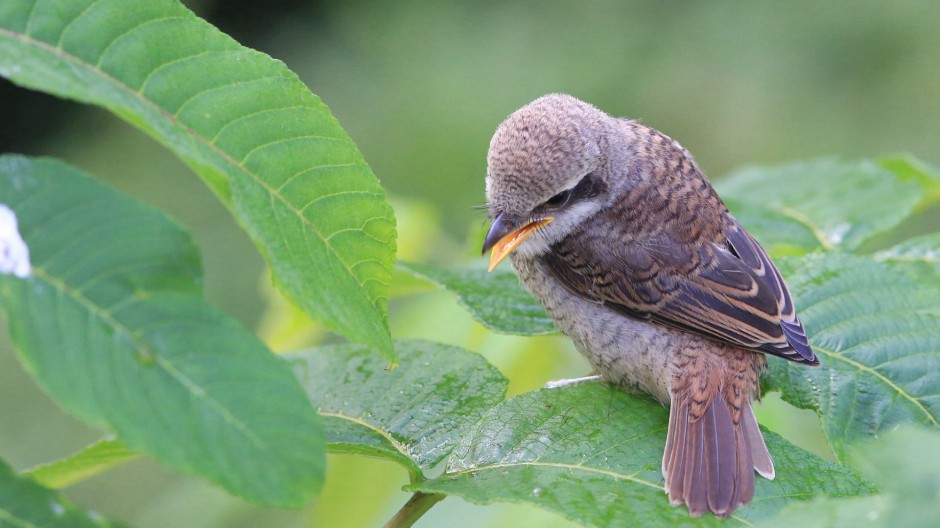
(559,199)
(589,187)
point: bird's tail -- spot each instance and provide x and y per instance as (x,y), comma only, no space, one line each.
(710,459)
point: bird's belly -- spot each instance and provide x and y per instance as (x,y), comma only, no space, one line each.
(635,354)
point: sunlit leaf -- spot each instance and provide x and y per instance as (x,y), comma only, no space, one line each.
(496,299)
(413,414)
(592,453)
(26,504)
(877,332)
(112,325)
(268,147)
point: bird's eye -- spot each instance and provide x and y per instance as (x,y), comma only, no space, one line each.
(559,199)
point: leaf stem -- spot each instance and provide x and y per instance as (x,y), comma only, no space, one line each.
(414,509)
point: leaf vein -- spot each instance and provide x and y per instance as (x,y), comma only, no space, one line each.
(335,194)
(167,64)
(882,378)
(802,219)
(145,350)
(250,115)
(128,32)
(385,434)
(65,28)
(311,170)
(256,148)
(174,116)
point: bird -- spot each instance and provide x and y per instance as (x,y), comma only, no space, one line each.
(616,231)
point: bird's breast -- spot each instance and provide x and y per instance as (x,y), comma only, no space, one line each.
(635,354)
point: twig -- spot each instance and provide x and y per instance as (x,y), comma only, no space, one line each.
(417,506)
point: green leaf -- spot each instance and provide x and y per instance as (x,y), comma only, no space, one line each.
(593,453)
(909,168)
(918,256)
(496,299)
(877,332)
(26,504)
(842,203)
(93,460)
(268,147)
(778,233)
(908,501)
(112,325)
(413,414)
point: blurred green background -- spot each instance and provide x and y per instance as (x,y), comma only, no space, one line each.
(421,86)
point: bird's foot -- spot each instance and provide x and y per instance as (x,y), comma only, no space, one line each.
(554,384)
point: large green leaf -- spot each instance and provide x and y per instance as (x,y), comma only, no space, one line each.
(496,299)
(592,453)
(877,332)
(26,504)
(842,203)
(268,147)
(112,325)
(778,233)
(918,256)
(414,414)
(909,481)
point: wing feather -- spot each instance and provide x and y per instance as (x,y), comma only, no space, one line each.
(729,291)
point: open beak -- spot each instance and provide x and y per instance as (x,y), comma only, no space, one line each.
(503,238)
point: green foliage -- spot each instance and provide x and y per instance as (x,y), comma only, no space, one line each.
(23,503)
(112,323)
(589,452)
(879,347)
(870,199)
(917,256)
(910,501)
(269,148)
(592,453)
(94,459)
(413,414)
(515,313)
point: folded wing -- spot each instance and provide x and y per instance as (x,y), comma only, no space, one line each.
(729,290)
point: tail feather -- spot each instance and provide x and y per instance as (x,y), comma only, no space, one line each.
(763,464)
(744,489)
(674,458)
(720,431)
(709,462)
(695,485)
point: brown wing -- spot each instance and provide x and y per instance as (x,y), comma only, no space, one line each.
(730,291)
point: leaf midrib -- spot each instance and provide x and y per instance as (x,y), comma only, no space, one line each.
(802,219)
(28,40)
(144,348)
(572,467)
(413,468)
(865,368)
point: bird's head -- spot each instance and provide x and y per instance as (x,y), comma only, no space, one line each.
(546,174)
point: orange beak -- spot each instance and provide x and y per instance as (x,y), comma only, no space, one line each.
(503,240)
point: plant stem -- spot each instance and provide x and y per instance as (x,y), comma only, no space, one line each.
(417,506)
